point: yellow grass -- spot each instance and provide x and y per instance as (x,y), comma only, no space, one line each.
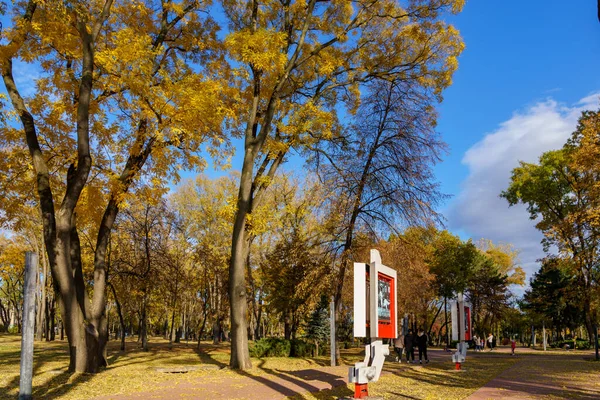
(134,371)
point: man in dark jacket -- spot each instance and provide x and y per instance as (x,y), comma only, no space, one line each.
(409,341)
(422,344)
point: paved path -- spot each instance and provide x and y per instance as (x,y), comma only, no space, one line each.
(260,384)
(539,376)
(271,385)
(533,376)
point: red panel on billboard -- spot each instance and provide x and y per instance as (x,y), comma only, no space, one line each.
(467,323)
(386,307)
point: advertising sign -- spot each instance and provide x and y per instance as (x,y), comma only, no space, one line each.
(375,299)
(466,318)
(467,322)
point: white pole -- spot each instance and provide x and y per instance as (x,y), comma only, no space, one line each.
(332,331)
(25,388)
(544,334)
(461,319)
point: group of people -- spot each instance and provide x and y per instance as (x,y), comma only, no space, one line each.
(405,344)
(480,342)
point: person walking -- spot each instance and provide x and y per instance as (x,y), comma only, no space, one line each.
(513,345)
(490,340)
(409,349)
(399,347)
(422,345)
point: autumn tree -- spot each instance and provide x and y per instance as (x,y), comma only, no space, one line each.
(504,256)
(133,255)
(488,292)
(117,96)
(558,196)
(12,273)
(205,207)
(299,61)
(381,164)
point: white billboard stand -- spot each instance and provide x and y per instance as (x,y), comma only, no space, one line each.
(375,310)
(461,329)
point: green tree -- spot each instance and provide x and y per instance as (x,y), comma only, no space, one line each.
(553,296)
(488,292)
(317,327)
(557,195)
(292,275)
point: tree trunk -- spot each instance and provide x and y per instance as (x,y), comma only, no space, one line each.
(433,321)
(144,321)
(287,327)
(240,355)
(203,326)
(53,321)
(120,313)
(589,323)
(39,329)
(172,327)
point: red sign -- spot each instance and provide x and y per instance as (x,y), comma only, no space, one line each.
(386,307)
(467,323)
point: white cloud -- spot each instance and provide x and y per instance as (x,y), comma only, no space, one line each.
(478,210)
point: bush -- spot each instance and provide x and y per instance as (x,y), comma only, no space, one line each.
(302,348)
(279,347)
(271,347)
(581,344)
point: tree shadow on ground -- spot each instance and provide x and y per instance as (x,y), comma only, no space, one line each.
(541,389)
(60,384)
(291,383)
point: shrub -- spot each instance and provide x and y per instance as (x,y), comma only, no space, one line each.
(279,347)
(271,347)
(302,348)
(581,344)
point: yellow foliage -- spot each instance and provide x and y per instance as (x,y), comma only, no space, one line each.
(263,48)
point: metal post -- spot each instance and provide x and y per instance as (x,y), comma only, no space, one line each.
(332,331)
(532,336)
(461,327)
(25,388)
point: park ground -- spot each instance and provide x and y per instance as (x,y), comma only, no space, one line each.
(135,374)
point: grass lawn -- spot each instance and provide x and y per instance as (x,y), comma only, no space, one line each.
(134,371)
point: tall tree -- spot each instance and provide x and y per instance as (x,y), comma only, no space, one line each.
(557,195)
(116,86)
(553,295)
(381,166)
(299,61)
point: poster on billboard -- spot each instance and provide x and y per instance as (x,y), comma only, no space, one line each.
(383,299)
(375,299)
(466,320)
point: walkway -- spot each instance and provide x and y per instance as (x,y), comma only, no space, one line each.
(542,376)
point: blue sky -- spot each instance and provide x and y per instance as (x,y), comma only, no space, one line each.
(528,70)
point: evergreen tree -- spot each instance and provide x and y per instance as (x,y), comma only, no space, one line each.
(317,328)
